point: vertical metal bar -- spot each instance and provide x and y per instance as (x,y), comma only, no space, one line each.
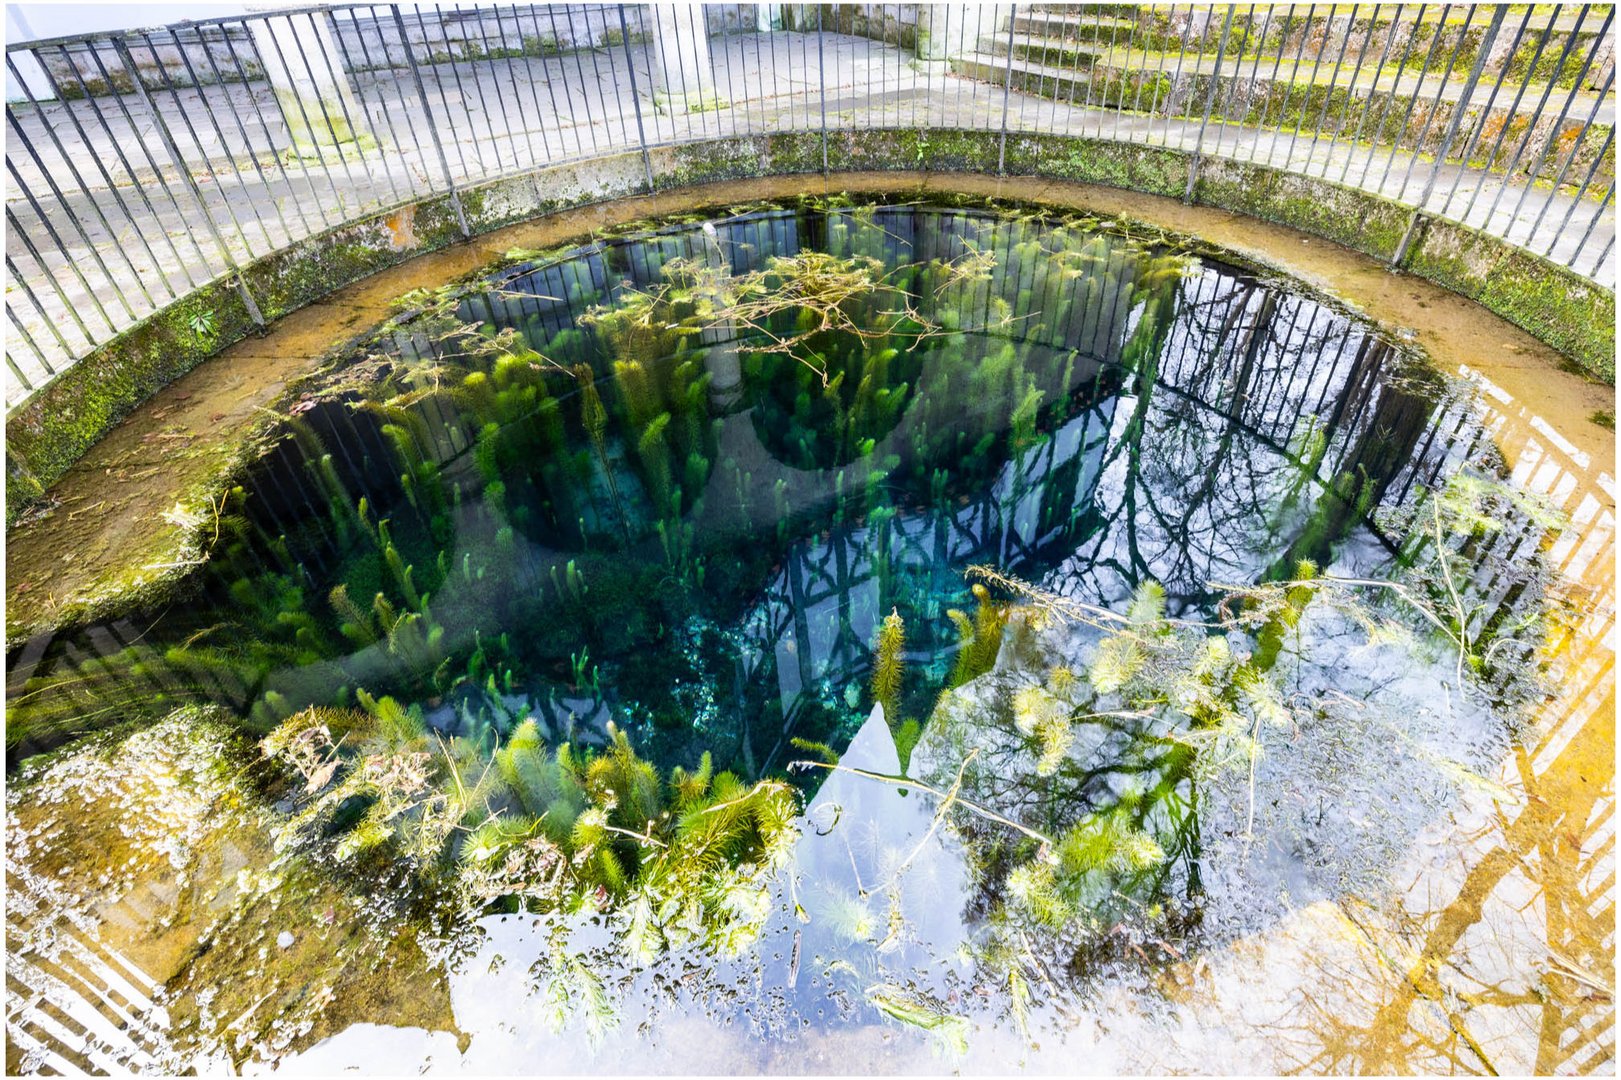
(938,112)
(120,44)
(698,28)
(579,69)
(1592,223)
(1351,94)
(135,182)
(106,176)
(1587,126)
(422,98)
(1316,68)
(635,94)
(1328,95)
(1272,83)
(1041,72)
(1514,108)
(1247,102)
(561,54)
(219,133)
(445,126)
(157,170)
(660,55)
(336,75)
(1477,129)
(1007,93)
(1233,94)
(726,55)
(270,141)
(191,130)
(1609,141)
(303,113)
(1564,111)
(242,130)
(1440,92)
(648,33)
(348,67)
(1488,40)
(759,74)
(50,323)
(73,264)
(84,188)
(1390,96)
(461,92)
(29,339)
(1137,97)
(1092,75)
(1209,103)
(1288,93)
(534,94)
(1412,99)
(15,229)
(746,75)
(506,116)
(1176,80)
(1536,114)
(821,80)
(1598,264)
(551,85)
(777,66)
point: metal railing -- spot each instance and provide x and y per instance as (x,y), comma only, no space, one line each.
(143,164)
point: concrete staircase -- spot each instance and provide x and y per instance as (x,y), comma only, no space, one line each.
(1142,61)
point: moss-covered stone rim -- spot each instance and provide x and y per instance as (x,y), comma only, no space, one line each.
(55,427)
(121,596)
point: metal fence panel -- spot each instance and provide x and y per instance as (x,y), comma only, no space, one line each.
(144,164)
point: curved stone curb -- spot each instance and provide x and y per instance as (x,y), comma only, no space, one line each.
(55,427)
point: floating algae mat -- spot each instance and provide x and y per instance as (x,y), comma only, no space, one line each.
(806,638)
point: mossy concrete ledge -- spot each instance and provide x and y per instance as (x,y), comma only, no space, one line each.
(126,527)
(63,420)
(1553,303)
(55,427)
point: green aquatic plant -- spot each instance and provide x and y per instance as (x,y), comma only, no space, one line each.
(683,857)
(979,637)
(1064,843)
(889,664)
(887,684)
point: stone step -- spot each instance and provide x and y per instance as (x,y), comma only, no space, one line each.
(1049,50)
(1075,83)
(1061,20)
(1147,33)
(1060,25)
(1048,57)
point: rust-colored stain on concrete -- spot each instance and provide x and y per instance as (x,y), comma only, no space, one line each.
(401,226)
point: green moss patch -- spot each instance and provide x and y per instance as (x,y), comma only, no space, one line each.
(1549,301)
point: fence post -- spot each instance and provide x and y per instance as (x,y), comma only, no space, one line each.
(821,80)
(427,114)
(1007,91)
(1486,42)
(636,99)
(1209,102)
(179,160)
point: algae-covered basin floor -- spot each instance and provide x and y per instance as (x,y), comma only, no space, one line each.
(847,633)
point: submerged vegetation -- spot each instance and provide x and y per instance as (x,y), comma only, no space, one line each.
(536,604)
(532,827)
